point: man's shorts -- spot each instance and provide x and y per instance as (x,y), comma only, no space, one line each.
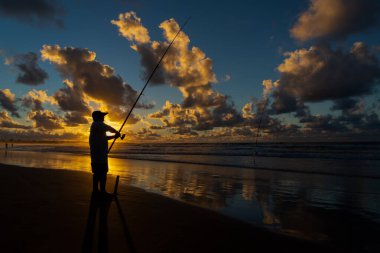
(99,168)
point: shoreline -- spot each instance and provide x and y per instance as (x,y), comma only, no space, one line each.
(268,169)
(48,210)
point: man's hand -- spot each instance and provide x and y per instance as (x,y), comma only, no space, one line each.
(117,135)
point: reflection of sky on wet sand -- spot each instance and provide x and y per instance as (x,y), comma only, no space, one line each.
(309,206)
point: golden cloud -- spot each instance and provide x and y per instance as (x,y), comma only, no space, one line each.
(326,19)
(130,27)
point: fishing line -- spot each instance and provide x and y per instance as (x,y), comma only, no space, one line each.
(150,77)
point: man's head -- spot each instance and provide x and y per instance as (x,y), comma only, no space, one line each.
(98,115)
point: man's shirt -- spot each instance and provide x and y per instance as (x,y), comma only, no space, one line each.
(98,141)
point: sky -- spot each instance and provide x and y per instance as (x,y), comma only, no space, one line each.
(301,70)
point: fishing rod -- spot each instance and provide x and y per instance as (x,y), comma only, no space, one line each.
(258,130)
(150,77)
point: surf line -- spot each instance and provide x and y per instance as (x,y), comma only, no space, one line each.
(141,92)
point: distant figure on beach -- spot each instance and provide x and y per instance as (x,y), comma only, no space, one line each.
(99,150)
(6,145)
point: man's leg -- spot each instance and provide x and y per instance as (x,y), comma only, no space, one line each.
(95,180)
(103,181)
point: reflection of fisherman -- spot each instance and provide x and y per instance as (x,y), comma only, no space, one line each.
(99,150)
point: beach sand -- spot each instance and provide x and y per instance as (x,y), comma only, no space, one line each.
(46,210)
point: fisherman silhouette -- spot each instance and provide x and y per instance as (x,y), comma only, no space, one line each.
(99,151)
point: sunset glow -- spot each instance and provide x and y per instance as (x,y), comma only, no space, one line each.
(318,79)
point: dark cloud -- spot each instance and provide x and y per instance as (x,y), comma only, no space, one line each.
(75,119)
(7,101)
(12,124)
(256,117)
(323,124)
(146,134)
(184,130)
(372,122)
(36,12)
(90,76)
(89,80)
(336,19)
(29,71)
(34,104)
(344,104)
(7,122)
(244,131)
(46,120)
(284,102)
(320,74)
(36,135)
(70,98)
(354,120)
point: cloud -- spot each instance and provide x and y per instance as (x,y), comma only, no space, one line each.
(29,71)
(46,119)
(335,19)
(36,135)
(173,115)
(89,80)
(323,124)
(256,116)
(269,85)
(372,123)
(37,12)
(8,122)
(347,124)
(344,104)
(88,75)
(320,74)
(187,120)
(74,102)
(34,100)
(146,134)
(307,75)
(4,116)
(13,125)
(75,119)
(181,67)
(71,98)
(7,101)
(184,67)
(130,27)
(355,120)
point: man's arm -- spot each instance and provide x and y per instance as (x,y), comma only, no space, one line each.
(112,130)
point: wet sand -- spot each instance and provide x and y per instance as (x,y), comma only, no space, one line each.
(46,210)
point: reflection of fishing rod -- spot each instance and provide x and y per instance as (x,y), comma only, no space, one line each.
(258,130)
(150,77)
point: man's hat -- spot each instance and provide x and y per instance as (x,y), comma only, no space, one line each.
(98,114)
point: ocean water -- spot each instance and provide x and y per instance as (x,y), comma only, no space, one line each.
(348,159)
(317,191)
